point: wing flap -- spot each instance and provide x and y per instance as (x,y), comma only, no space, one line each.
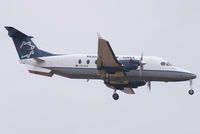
(128,90)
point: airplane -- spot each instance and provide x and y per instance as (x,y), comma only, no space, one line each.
(121,73)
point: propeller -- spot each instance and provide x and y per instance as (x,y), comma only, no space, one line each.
(149,85)
(141,63)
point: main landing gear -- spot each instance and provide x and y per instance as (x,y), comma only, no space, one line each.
(115,95)
(191,91)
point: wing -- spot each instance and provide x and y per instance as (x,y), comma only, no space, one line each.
(106,56)
(111,71)
(107,63)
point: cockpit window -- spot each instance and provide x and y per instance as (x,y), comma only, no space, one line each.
(165,64)
(162,63)
(168,64)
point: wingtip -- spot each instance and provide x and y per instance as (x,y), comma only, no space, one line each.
(99,35)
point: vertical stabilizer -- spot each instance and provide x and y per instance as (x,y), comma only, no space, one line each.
(24,45)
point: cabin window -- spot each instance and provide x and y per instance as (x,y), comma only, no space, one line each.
(95,61)
(79,61)
(88,61)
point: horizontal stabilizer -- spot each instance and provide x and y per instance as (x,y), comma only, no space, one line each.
(40,71)
(39,60)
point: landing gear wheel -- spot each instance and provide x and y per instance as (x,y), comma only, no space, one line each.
(191,92)
(115,96)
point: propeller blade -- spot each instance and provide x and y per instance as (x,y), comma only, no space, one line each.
(141,68)
(141,64)
(149,85)
(141,56)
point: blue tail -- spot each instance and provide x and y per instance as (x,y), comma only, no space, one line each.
(25,46)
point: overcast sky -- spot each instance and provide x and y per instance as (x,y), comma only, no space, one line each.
(37,105)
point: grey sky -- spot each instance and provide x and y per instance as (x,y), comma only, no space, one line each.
(34,104)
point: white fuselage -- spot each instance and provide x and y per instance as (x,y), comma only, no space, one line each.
(82,66)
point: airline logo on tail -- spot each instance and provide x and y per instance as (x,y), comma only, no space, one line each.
(26,49)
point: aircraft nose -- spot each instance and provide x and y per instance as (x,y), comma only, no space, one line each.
(186,75)
(192,76)
(189,75)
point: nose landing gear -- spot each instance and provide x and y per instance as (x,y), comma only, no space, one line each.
(115,95)
(191,91)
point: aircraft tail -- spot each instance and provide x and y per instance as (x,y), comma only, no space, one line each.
(24,45)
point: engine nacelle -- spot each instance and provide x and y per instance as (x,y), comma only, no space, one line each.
(131,84)
(129,65)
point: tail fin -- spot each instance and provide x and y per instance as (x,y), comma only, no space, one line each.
(25,46)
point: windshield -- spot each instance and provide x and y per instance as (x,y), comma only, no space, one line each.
(168,64)
(165,64)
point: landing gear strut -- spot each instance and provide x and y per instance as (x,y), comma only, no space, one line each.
(191,91)
(115,96)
